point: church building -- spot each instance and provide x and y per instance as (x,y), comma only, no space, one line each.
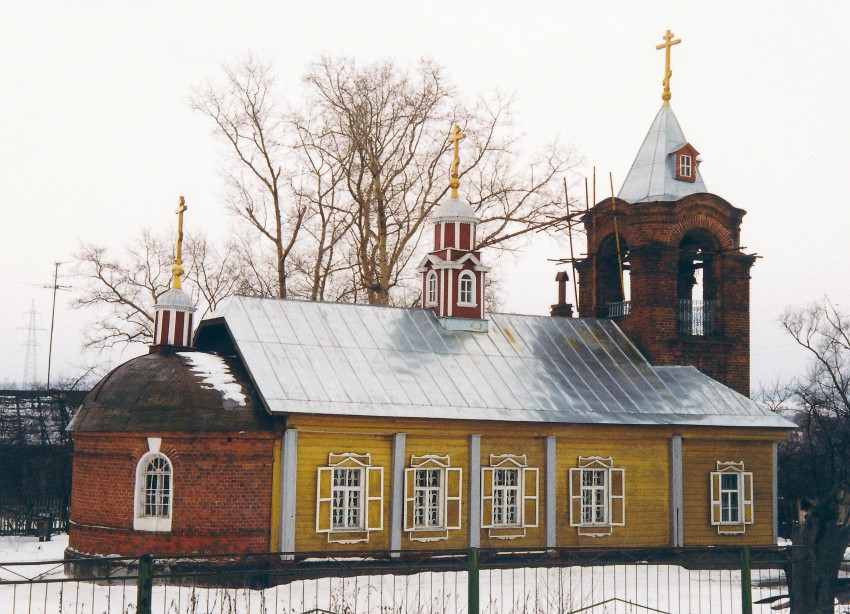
(294,426)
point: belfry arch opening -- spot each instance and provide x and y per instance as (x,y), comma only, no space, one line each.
(697,285)
(613,287)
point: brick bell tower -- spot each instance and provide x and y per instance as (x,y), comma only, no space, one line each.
(452,274)
(664,259)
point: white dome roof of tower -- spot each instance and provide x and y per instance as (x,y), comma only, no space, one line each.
(175,298)
(454,210)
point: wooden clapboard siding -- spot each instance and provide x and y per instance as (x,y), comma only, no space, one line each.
(699,460)
(647,480)
(530,443)
(642,451)
(443,442)
(313,450)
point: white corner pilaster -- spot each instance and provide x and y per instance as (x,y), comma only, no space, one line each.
(775,492)
(289,470)
(397,492)
(474,497)
(677,529)
(551,492)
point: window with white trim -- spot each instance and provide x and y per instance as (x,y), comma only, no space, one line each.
(154,498)
(509,496)
(597,496)
(349,498)
(731,498)
(431,289)
(686,166)
(432,501)
(466,295)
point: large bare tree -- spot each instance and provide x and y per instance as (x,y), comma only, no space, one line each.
(248,118)
(814,463)
(383,132)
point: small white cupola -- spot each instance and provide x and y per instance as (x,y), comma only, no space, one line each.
(174,312)
(452,274)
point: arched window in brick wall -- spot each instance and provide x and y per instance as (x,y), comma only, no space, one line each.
(154,496)
(697,284)
(613,298)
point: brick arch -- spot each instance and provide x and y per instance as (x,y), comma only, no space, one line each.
(701,221)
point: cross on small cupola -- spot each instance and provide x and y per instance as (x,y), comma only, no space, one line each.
(452,274)
(173,312)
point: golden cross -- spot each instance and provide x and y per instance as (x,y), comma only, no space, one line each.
(455,138)
(177,269)
(668,42)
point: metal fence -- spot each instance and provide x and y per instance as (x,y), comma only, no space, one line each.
(714,581)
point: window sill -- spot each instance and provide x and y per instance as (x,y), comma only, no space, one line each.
(152,524)
(459,304)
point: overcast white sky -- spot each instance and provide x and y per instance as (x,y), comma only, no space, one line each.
(97,141)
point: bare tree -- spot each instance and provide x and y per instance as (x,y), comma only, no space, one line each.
(384,132)
(814,463)
(124,289)
(251,122)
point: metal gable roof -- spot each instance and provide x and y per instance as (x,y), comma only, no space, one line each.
(361,360)
(653,174)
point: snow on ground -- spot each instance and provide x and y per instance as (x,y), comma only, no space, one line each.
(214,371)
(613,589)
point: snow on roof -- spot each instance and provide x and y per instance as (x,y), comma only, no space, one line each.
(363,360)
(214,371)
(652,176)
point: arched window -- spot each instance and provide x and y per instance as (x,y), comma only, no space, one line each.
(154,493)
(431,289)
(466,296)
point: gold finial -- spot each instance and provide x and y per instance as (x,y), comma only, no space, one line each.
(455,138)
(668,42)
(177,269)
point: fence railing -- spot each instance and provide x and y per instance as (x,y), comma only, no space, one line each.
(39,517)
(499,581)
(619,309)
(695,317)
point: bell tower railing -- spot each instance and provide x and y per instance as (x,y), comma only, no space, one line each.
(618,310)
(695,318)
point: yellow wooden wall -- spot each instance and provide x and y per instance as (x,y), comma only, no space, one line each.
(700,458)
(644,453)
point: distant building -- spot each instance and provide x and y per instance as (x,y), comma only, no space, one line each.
(301,427)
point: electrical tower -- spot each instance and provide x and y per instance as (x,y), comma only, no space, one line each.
(30,378)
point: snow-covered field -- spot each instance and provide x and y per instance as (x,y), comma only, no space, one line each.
(609,589)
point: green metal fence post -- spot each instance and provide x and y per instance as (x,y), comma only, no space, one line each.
(746,582)
(472,580)
(144,586)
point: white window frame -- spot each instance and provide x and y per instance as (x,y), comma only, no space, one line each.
(612,491)
(527,496)
(469,278)
(431,289)
(721,498)
(448,500)
(370,499)
(143,520)
(686,166)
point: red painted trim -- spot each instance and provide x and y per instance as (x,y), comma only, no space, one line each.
(179,330)
(163,333)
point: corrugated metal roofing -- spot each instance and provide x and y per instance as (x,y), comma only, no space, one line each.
(653,173)
(360,360)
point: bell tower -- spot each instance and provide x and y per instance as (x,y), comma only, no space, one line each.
(664,259)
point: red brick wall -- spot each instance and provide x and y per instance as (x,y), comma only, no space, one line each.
(222,495)
(653,232)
